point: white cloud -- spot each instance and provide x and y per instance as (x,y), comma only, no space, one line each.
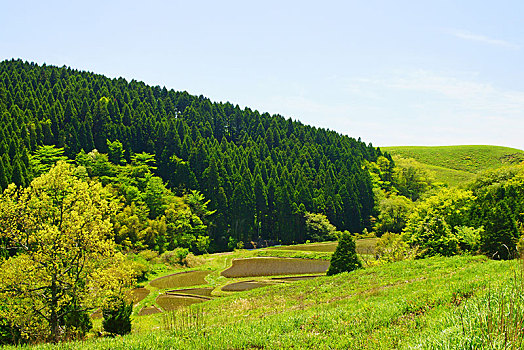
(466,93)
(483,39)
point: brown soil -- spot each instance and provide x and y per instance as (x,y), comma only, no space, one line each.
(245,285)
(267,266)
(149,310)
(206,292)
(180,279)
(172,302)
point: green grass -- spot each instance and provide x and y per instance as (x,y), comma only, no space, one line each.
(460,302)
(453,165)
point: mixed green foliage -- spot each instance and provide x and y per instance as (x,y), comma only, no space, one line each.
(485,217)
(58,257)
(117,317)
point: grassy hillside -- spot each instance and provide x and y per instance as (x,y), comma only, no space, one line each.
(455,164)
(453,303)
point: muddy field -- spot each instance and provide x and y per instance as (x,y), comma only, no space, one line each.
(206,292)
(169,302)
(270,266)
(181,279)
(245,285)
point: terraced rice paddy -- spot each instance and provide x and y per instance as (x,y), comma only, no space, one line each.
(206,292)
(364,246)
(327,247)
(181,279)
(169,302)
(139,294)
(245,285)
(149,310)
(270,266)
(295,278)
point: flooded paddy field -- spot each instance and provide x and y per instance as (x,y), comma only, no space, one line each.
(139,294)
(180,279)
(245,285)
(270,266)
(168,302)
(149,310)
(206,292)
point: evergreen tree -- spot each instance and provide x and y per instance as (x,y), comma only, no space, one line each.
(345,257)
(117,317)
(500,236)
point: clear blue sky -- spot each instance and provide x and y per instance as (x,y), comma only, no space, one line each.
(390,72)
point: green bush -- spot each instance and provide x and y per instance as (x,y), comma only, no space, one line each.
(117,317)
(345,257)
(391,247)
(76,323)
(434,237)
(501,234)
(175,257)
(9,334)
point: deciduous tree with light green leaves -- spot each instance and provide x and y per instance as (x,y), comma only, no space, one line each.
(59,255)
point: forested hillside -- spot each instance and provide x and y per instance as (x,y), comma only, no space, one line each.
(261,173)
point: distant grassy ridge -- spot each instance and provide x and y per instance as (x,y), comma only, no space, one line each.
(456,164)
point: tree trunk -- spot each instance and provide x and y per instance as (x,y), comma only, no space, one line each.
(55,336)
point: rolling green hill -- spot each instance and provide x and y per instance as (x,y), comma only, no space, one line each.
(456,164)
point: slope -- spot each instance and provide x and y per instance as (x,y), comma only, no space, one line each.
(430,303)
(456,164)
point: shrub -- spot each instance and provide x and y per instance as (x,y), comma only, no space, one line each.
(9,334)
(175,257)
(148,254)
(117,317)
(469,237)
(76,323)
(435,237)
(499,239)
(140,270)
(391,247)
(345,257)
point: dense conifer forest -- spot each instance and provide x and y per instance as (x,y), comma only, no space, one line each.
(260,173)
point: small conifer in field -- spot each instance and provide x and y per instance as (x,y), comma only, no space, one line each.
(345,257)
(117,317)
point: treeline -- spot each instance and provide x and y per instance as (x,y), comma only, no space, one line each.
(261,173)
(484,216)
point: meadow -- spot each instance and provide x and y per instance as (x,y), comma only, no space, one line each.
(454,165)
(437,303)
(461,302)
